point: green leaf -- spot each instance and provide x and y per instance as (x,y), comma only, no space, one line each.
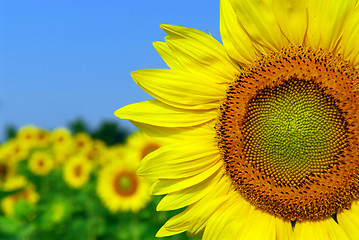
(9,226)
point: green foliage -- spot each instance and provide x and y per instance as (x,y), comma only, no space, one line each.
(78,126)
(7,193)
(110,133)
(10,132)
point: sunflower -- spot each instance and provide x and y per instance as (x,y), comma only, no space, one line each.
(76,171)
(95,151)
(82,142)
(40,163)
(261,132)
(28,135)
(61,139)
(139,145)
(18,149)
(42,138)
(121,189)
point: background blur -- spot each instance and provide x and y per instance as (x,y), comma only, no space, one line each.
(66,60)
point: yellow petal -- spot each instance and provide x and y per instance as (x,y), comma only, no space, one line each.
(183,170)
(292,17)
(349,221)
(283,229)
(200,53)
(164,186)
(180,160)
(259,225)
(235,40)
(194,218)
(167,55)
(178,134)
(225,221)
(175,225)
(204,209)
(349,43)
(258,20)
(326,21)
(320,230)
(157,113)
(187,196)
(180,89)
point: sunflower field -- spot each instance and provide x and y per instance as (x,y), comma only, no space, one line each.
(60,185)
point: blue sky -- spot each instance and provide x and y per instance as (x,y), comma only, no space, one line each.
(66,59)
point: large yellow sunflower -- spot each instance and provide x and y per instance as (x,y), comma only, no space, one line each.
(261,132)
(120,188)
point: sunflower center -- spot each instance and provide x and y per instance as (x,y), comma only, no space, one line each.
(41,162)
(287,133)
(293,130)
(125,183)
(78,170)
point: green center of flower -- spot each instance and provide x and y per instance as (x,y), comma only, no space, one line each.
(293,130)
(125,183)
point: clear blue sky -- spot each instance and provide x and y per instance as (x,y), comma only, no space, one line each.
(60,60)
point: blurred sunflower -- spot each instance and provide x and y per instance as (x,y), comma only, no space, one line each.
(76,171)
(28,135)
(139,145)
(82,142)
(261,132)
(43,138)
(61,139)
(95,151)
(18,150)
(40,163)
(28,194)
(120,189)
